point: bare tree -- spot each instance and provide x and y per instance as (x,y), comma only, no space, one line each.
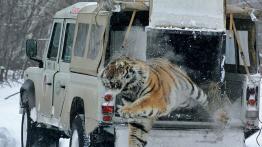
(22,19)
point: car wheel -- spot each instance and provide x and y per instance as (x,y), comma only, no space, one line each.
(27,129)
(32,136)
(78,136)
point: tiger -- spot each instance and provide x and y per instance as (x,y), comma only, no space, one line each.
(149,90)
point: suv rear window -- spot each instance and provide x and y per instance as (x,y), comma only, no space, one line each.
(95,41)
(81,39)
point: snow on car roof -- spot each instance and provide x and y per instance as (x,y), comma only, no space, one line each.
(73,10)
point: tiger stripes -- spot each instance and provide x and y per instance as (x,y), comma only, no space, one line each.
(149,90)
(138,132)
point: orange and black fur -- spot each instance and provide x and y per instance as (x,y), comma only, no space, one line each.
(149,90)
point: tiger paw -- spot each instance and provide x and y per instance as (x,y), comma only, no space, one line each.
(221,117)
(126,112)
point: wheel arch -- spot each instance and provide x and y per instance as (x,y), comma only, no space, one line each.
(77,107)
(29,87)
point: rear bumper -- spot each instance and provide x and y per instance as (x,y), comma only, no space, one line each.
(177,125)
(185,134)
(186,138)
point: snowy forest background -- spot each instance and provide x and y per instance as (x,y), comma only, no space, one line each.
(21,20)
(26,19)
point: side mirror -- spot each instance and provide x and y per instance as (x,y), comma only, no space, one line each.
(31,48)
(31,51)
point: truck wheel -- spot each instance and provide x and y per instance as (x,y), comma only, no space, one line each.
(27,129)
(32,136)
(78,137)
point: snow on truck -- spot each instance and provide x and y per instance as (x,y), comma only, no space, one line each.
(214,41)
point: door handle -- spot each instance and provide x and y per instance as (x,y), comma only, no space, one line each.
(49,84)
(62,86)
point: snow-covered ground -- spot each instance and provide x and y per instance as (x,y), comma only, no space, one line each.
(251,141)
(10,118)
(10,121)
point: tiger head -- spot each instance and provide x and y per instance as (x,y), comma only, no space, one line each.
(120,72)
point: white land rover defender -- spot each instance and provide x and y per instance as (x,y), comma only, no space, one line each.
(63,97)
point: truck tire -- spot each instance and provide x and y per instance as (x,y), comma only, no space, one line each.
(32,136)
(27,129)
(78,137)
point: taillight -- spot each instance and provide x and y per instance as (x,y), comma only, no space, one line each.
(108,111)
(252,109)
(108,97)
(107,108)
(107,118)
(252,102)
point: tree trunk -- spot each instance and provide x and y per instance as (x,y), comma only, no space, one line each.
(6,74)
(24,67)
(1,75)
(13,76)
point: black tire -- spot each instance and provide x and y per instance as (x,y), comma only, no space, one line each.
(108,139)
(36,137)
(250,132)
(78,133)
(43,138)
(27,127)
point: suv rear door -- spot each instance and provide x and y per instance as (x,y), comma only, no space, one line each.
(89,43)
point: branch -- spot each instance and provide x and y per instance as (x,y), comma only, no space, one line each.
(6,98)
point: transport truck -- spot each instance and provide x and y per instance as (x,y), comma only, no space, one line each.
(216,43)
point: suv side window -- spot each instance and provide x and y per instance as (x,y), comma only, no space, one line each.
(95,41)
(81,39)
(68,42)
(54,44)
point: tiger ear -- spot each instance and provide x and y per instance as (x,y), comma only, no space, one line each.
(120,64)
